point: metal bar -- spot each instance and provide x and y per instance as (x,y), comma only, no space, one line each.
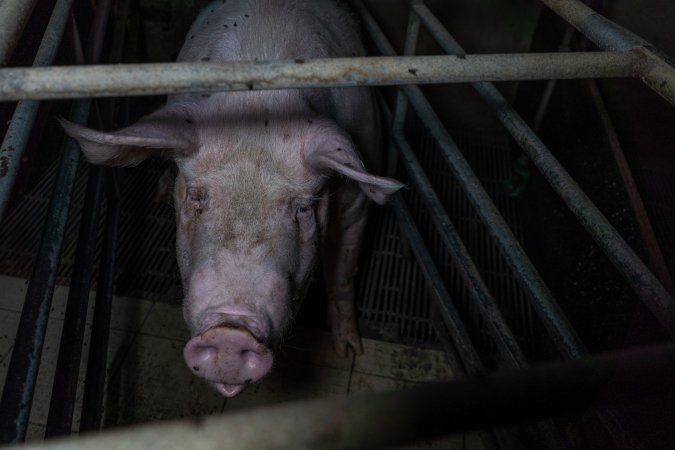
(94,388)
(656,259)
(471,362)
(658,72)
(184,77)
(562,333)
(637,378)
(497,327)
(14,142)
(14,15)
(62,405)
(657,69)
(17,394)
(645,284)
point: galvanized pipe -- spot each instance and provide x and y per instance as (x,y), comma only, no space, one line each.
(497,327)
(183,77)
(94,388)
(14,142)
(470,359)
(62,405)
(657,69)
(561,331)
(17,394)
(633,380)
(638,275)
(94,383)
(64,387)
(14,15)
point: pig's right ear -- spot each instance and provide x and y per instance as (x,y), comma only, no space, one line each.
(166,132)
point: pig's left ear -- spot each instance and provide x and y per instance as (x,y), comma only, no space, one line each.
(330,148)
(166,132)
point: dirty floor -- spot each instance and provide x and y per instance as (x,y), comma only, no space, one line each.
(148,380)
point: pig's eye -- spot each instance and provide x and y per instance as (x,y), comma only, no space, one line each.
(304,214)
(195,201)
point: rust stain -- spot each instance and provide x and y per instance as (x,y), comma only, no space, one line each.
(4,166)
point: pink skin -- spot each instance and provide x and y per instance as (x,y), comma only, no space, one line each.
(256,205)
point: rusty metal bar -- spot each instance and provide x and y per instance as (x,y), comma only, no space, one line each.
(643,282)
(632,379)
(17,394)
(561,331)
(657,69)
(14,142)
(14,15)
(656,259)
(183,77)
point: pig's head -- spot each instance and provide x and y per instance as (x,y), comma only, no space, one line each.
(251,201)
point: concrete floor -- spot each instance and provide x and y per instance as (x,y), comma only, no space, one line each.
(149,381)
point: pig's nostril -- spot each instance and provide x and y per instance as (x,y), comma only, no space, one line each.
(201,355)
(228,357)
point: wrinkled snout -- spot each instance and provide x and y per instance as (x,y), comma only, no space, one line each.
(229,357)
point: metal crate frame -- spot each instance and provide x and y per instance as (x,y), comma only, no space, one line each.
(623,55)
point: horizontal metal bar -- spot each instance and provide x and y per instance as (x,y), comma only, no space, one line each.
(635,379)
(14,142)
(14,15)
(657,69)
(549,312)
(183,77)
(638,275)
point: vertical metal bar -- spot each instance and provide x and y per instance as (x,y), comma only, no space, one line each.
(14,15)
(94,388)
(62,405)
(643,282)
(21,124)
(17,394)
(561,331)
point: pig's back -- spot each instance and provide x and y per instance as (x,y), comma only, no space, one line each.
(248,30)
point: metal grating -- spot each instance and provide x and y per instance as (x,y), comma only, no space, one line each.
(393,300)
(146,251)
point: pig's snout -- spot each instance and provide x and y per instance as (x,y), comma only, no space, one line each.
(230,357)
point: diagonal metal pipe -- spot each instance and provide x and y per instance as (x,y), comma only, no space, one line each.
(548,310)
(638,275)
(14,142)
(14,15)
(657,69)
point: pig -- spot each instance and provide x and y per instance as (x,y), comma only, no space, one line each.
(268,183)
